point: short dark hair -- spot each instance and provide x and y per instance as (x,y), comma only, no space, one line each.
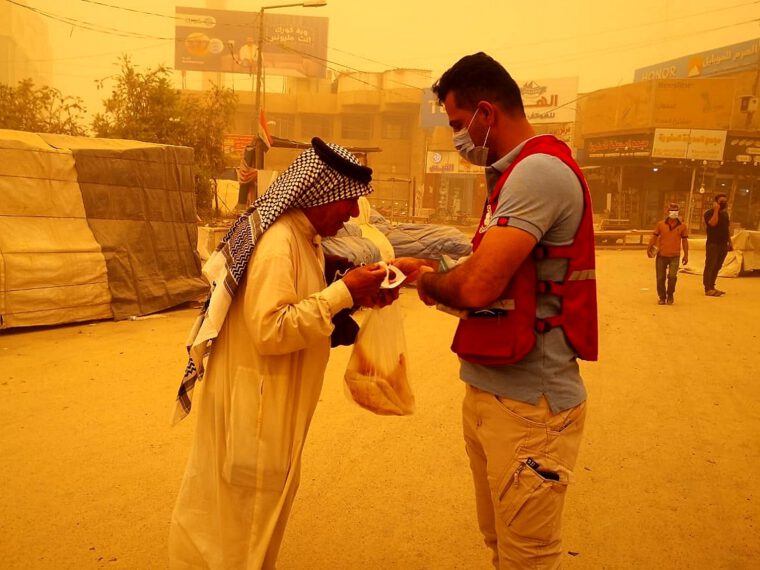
(479,77)
(719,196)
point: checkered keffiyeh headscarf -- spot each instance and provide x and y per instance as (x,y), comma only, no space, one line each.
(322,174)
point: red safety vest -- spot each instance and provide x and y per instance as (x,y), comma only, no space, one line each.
(507,338)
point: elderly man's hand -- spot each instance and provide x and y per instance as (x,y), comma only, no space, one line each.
(385,297)
(364,282)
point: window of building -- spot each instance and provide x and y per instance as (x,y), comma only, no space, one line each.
(316,126)
(282,126)
(356,127)
(395,127)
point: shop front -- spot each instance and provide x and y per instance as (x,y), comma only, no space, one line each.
(455,190)
(633,177)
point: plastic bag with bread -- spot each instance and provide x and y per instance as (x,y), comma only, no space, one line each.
(376,377)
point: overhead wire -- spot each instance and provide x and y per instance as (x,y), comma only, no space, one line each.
(133,35)
(640,43)
(543,41)
(548,40)
(572,57)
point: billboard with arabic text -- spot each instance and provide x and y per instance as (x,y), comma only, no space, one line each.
(227,41)
(550,100)
(726,59)
(545,101)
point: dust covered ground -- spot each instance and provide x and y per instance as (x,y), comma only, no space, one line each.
(667,476)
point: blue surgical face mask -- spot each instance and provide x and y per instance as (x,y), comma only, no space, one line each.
(477,155)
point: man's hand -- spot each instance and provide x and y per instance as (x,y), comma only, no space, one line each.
(382,298)
(364,282)
(411,266)
(685,259)
(424,297)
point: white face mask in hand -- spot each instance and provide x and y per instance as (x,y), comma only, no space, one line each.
(477,155)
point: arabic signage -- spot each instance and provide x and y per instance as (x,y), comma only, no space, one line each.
(235,144)
(624,108)
(697,103)
(563,131)
(227,41)
(431,113)
(549,100)
(618,146)
(696,144)
(742,149)
(735,57)
(545,101)
(449,162)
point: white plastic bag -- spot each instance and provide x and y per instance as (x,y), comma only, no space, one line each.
(376,376)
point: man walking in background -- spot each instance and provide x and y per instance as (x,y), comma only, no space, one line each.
(669,236)
(718,243)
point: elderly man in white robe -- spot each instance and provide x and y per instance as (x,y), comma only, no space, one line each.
(265,333)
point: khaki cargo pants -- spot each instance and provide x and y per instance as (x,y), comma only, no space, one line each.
(522,459)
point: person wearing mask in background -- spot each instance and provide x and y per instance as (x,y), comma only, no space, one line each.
(718,244)
(270,318)
(670,235)
(528,298)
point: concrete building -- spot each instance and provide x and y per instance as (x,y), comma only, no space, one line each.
(375,113)
(684,131)
(24,47)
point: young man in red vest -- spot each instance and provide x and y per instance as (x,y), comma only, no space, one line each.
(528,296)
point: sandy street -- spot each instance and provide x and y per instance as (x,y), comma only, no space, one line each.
(667,477)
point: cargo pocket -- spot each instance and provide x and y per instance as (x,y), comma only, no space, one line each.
(529,503)
(240,465)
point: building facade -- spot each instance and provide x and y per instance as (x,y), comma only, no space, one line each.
(24,47)
(683,132)
(376,113)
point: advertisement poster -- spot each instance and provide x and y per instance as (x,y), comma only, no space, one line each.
(228,41)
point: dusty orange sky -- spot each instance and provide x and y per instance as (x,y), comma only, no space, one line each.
(600,42)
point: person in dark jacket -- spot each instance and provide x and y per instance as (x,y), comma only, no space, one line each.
(718,243)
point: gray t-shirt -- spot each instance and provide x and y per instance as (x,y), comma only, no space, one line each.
(543,197)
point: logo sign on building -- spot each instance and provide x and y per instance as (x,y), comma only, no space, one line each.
(745,150)
(696,144)
(545,101)
(431,113)
(736,57)
(549,100)
(449,162)
(638,145)
(227,41)
(563,131)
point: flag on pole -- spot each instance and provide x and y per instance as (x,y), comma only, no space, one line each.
(263,133)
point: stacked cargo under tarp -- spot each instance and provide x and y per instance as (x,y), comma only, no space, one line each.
(94,229)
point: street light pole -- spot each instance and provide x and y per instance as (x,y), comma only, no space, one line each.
(259,151)
(258,160)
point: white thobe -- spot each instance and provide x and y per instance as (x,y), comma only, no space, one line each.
(261,387)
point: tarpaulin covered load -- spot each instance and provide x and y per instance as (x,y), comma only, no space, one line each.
(350,244)
(429,241)
(745,256)
(94,228)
